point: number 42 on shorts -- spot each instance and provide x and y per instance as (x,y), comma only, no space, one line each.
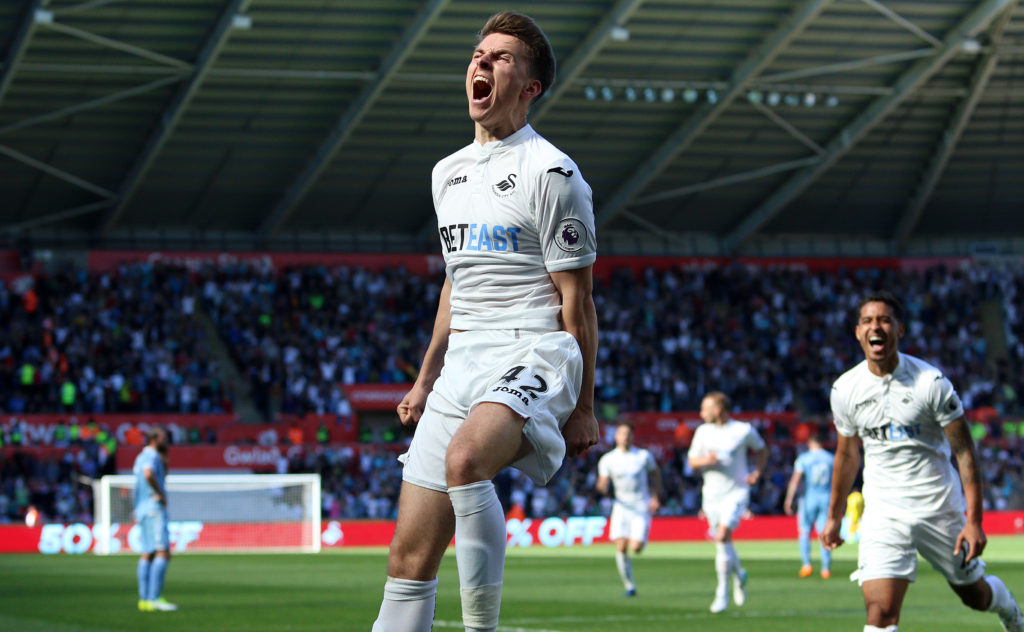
(511,383)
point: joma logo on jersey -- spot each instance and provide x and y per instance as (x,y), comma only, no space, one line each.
(892,432)
(457,180)
(866,402)
(505,187)
(480,237)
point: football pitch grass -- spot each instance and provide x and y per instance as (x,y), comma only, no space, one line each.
(546,590)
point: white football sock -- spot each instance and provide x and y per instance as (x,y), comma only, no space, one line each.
(480,540)
(872,628)
(625,564)
(408,606)
(1002,601)
(734,557)
(722,567)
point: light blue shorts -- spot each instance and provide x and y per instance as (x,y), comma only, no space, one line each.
(153,529)
(812,513)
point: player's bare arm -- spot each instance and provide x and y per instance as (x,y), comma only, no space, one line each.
(150,476)
(959,436)
(411,406)
(844,473)
(700,462)
(579,318)
(794,484)
(654,481)
(602,484)
(762,461)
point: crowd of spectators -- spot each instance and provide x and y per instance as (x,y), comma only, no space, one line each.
(79,342)
(774,338)
(300,333)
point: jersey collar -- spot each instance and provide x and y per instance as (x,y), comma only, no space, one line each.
(497,146)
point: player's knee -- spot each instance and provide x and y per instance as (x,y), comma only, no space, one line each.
(463,467)
(882,613)
(411,564)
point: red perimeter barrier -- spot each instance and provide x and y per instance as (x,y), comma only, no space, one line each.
(196,535)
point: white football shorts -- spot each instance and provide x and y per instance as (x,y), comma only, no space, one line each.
(629,523)
(538,375)
(889,546)
(726,510)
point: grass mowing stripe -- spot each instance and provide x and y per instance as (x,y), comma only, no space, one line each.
(546,590)
(21,624)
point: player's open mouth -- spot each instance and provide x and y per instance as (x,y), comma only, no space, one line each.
(877,343)
(481,88)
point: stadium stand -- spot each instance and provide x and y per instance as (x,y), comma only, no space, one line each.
(134,341)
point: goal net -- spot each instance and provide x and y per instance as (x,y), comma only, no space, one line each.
(216,512)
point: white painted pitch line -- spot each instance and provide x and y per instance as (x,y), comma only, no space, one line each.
(500,628)
(745,614)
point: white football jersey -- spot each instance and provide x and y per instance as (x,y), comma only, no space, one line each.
(730,442)
(509,212)
(900,419)
(628,473)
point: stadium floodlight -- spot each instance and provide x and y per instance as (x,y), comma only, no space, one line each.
(831,101)
(971,46)
(810,99)
(619,33)
(712,97)
(630,93)
(690,95)
(792,100)
(649,95)
(607,94)
(774,98)
(667,95)
(224,513)
(755,96)
(589,93)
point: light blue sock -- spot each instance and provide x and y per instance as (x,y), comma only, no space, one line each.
(826,558)
(805,547)
(142,573)
(156,577)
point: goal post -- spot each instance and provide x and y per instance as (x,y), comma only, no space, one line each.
(216,513)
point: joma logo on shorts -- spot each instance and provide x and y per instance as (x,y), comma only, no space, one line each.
(513,392)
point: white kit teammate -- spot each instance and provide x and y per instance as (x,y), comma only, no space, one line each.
(719,448)
(508,377)
(908,416)
(636,480)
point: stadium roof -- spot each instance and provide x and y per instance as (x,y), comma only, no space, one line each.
(704,126)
